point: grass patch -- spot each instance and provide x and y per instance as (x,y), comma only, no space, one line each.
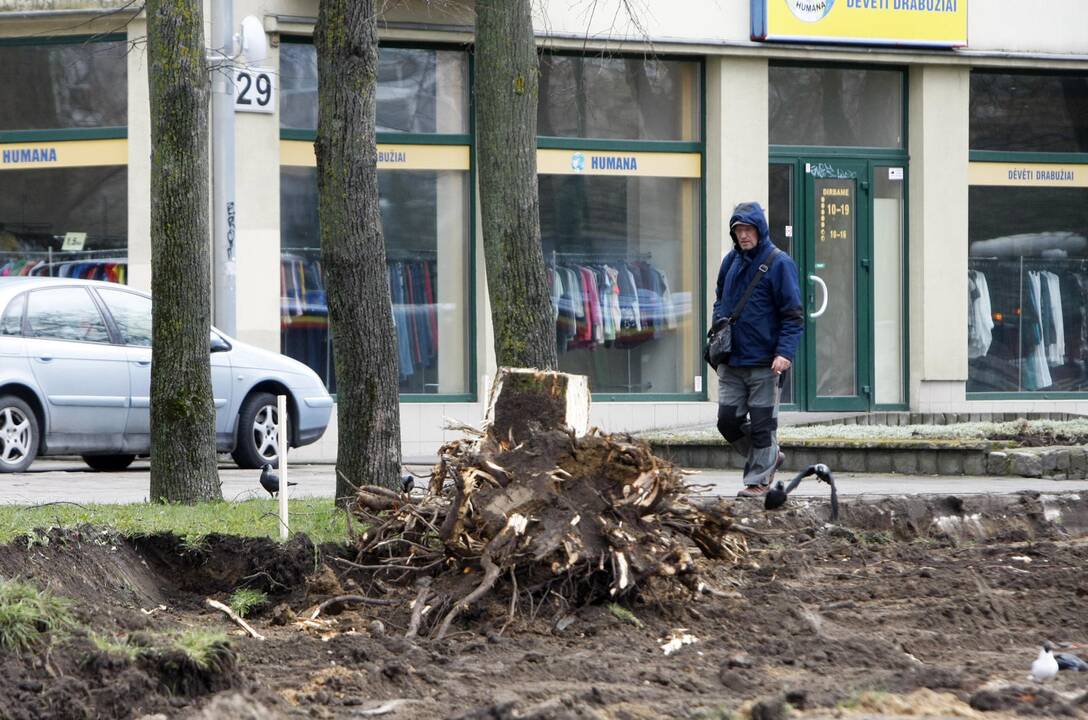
(116,648)
(246,599)
(317,517)
(625,615)
(206,649)
(29,615)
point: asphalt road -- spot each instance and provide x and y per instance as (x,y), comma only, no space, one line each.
(71,480)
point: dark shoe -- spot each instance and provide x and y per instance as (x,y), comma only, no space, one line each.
(753,491)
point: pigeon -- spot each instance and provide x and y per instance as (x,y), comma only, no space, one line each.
(407,483)
(1045,666)
(1069,661)
(270,481)
(777,495)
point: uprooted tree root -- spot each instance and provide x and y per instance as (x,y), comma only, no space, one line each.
(578,518)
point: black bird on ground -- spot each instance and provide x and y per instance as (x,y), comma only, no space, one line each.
(407,482)
(270,481)
(777,495)
(1069,661)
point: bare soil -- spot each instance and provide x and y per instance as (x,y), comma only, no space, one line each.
(938,604)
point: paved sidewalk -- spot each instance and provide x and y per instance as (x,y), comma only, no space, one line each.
(71,480)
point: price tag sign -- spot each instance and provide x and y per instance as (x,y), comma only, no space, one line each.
(254,90)
(73,241)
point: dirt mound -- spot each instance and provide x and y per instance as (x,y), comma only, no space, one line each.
(845,620)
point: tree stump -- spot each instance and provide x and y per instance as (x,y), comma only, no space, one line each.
(523,399)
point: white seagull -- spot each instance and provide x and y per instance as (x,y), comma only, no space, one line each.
(1045,666)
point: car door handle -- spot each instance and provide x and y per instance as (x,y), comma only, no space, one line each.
(143,363)
(44,358)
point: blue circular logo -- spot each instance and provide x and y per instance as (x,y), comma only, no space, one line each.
(578,162)
(810,10)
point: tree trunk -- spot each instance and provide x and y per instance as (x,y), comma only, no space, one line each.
(183,461)
(507,86)
(353,249)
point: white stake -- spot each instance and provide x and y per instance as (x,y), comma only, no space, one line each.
(281,449)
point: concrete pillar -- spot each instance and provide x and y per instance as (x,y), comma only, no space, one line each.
(939,144)
(139,158)
(737,152)
(257,217)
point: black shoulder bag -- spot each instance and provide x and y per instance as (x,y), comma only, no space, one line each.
(720,335)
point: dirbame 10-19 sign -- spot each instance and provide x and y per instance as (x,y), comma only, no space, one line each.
(926,23)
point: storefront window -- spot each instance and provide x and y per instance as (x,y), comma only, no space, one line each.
(424,191)
(1029,112)
(619,98)
(425,222)
(1027,317)
(79,84)
(419,90)
(1028,289)
(64,193)
(622,255)
(841,107)
(40,209)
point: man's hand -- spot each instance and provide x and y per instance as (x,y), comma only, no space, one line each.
(780,365)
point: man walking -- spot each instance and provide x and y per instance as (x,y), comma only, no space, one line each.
(766,333)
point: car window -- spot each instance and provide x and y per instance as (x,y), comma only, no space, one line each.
(132,313)
(12,323)
(65,314)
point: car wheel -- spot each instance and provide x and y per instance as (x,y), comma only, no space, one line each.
(108,463)
(18,435)
(258,440)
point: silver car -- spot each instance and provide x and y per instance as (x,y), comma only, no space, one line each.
(75,379)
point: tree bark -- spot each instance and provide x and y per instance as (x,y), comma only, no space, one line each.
(183,460)
(353,249)
(507,87)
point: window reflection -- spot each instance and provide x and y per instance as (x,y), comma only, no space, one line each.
(72,85)
(836,107)
(419,90)
(620,98)
(1022,112)
(65,314)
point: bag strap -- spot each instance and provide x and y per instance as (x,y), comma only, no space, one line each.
(760,272)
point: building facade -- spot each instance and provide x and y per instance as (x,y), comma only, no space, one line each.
(925,162)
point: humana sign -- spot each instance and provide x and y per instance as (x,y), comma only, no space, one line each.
(930,23)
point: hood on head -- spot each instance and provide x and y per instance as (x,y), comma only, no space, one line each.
(749,213)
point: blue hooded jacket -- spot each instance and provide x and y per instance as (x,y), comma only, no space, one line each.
(773,320)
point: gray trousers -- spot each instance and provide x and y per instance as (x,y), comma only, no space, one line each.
(748,417)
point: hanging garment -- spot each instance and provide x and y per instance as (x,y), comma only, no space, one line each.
(1055,350)
(980,320)
(1035,372)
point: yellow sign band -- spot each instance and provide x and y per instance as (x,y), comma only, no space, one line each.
(940,23)
(70,153)
(1028,174)
(300,153)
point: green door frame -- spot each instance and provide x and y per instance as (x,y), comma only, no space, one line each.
(858,171)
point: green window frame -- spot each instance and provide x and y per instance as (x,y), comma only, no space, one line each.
(61,134)
(432,139)
(659,146)
(998,156)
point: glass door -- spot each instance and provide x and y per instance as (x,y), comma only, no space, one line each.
(835,285)
(782,219)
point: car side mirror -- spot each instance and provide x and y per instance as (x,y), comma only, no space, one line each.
(218,344)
